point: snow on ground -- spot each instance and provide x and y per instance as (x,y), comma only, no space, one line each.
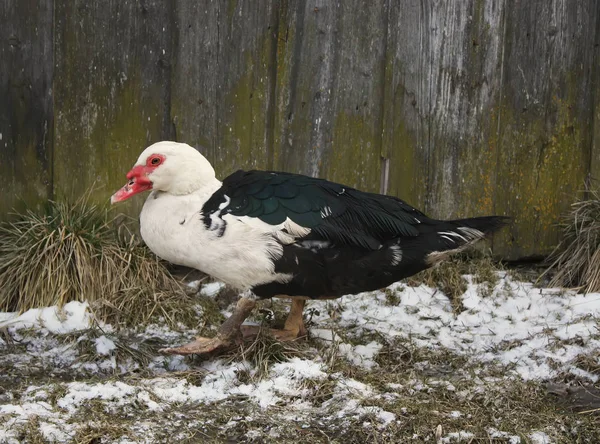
(73,316)
(531,328)
(529,333)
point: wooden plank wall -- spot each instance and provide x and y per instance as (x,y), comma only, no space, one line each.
(222,80)
(26,113)
(329,90)
(111,90)
(462,108)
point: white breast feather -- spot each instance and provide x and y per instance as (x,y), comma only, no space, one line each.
(242,257)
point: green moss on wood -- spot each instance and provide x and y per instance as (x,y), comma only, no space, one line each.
(541,168)
(354,147)
(97,143)
(243,127)
(25,180)
(285,37)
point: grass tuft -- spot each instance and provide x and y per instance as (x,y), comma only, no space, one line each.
(264,351)
(73,252)
(98,433)
(575,262)
(448,276)
(30,432)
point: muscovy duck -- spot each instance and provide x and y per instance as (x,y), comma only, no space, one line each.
(275,234)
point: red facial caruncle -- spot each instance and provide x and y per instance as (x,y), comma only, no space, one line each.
(138,180)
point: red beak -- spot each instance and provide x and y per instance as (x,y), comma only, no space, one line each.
(137,182)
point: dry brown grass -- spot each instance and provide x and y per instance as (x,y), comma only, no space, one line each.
(98,433)
(448,276)
(429,385)
(264,351)
(482,394)
(30,433)
(575,262)
(74,252)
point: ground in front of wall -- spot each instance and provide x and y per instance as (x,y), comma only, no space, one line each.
(503,362)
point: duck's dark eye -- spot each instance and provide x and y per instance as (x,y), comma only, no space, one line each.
(155,160)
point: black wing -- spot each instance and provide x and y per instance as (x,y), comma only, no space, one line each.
(332,211)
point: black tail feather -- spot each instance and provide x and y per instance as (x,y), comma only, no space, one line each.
(443,238)
(485,224)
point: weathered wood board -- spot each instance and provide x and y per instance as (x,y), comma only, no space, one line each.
(223,75)
(595,142)
(488,110)
(26,114)
(462,108)
(194,81)
(111,89)
(442,80)
(328,117)
(545,118)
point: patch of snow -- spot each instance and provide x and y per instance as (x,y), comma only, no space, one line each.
(212,289)
(104,346)
(54,434)
(163,332)
(539,438)
(254,434)
(285,379)
(458,437)
(40,409)
(73,316)
(584,374)
(144,396)
(325,334)
(495,433)
(79,392)
(194,284)
(527,327)
(361,355)
(351,386)
(385,417)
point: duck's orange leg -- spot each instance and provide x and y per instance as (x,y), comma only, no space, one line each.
(294,325)
(228,336)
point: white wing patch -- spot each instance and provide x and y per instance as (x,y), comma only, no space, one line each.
(216,221)
(471,233)
(396,255)
(326,212)
(286,233)
(315,245)
(465,234)
(294,229)
(224,204)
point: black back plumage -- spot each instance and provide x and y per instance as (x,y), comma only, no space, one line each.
(332,211)
(358,241)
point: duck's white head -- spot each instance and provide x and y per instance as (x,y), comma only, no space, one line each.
(173,167)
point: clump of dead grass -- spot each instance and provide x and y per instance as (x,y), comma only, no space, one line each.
(100,432)
(74,252)
(30,432)
(126,348)
(575,262)
(264,351)
(448,276)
